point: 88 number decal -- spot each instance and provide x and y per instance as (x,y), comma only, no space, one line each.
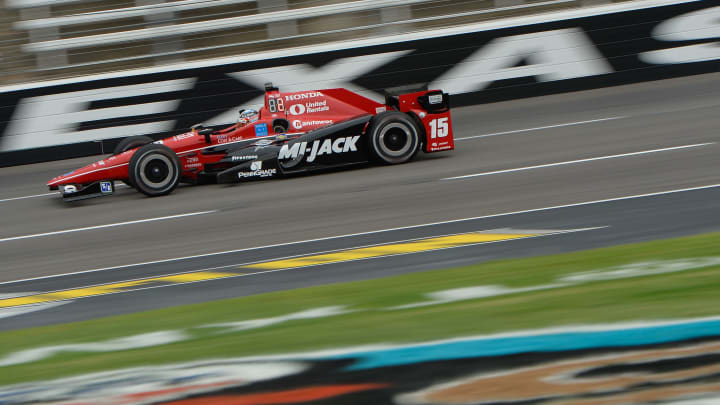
(276,105)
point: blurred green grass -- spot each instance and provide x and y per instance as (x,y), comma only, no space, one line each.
(663,296)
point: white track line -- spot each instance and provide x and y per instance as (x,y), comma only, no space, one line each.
(25,309)
(27,196)
(88,228)
(630,197)
(567,124)
(571,162)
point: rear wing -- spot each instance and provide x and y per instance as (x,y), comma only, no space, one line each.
(431,110)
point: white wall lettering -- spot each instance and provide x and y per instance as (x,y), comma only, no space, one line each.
(550,55)
(53,119)
(701,24)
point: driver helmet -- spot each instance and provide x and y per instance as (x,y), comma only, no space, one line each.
(247,117)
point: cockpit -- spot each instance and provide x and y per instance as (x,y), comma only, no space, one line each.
(247,117)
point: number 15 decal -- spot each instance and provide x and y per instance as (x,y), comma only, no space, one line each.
(439,128)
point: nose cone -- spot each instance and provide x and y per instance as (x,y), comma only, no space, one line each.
(112,168)
(57,180)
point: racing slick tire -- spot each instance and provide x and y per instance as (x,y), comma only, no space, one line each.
(154,170)
(393,137)
(129,143)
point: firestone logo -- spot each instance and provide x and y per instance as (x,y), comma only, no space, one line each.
(244,157)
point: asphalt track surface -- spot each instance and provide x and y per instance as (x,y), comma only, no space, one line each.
(523,155)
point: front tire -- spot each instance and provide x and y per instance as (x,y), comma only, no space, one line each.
(154,170)
(131,142)
(393,137)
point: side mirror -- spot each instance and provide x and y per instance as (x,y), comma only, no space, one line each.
(201,130)
(206,133)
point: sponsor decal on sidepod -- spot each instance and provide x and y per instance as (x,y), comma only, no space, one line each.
(245,157)
(257,171)
(319,147)
(309,108)
(297,124)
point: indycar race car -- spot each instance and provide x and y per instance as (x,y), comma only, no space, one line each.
(292,133)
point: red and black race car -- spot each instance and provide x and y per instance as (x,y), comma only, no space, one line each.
(292,133)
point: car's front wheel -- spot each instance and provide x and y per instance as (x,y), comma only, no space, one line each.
(393,137)
(154,170)
(131,142)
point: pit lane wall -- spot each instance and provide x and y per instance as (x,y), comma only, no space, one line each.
(491,61)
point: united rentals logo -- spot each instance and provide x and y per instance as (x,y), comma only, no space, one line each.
(309,108)
(319,148)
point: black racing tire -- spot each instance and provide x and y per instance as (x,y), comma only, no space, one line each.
(154,170)
(131,142)
(128,143)
(393,137)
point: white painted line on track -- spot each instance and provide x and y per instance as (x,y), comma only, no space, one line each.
(567,124)
(26,309)
(5,296)
(89,228)
(27,196)
(572,162)
(630,197)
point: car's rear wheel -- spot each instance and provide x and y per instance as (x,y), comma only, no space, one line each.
(393,137)
(154,170)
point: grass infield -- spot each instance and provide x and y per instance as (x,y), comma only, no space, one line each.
(688,293)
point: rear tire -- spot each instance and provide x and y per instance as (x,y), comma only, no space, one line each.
(154,170)
(393,137)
